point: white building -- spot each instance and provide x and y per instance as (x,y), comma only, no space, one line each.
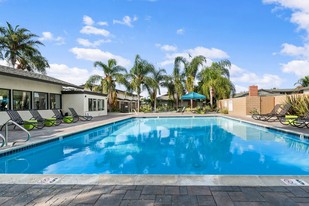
(23,90)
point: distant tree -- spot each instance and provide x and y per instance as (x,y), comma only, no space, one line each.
(304,82)
(215,82)
(190,69)
(113,74)
(158,75)
(18,47)
(140,77)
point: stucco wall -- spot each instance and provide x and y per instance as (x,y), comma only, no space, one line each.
(80,103)
(267,104)
(7,82)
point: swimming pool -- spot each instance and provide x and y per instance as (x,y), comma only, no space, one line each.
(203,145)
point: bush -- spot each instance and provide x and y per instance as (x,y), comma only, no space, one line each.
(145,108)
(254,111)
(300,104)
(224,111)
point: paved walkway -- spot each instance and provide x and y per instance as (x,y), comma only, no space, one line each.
(20,193)
(111,195)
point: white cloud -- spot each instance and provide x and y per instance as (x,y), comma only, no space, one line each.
(48,36)
(126,20)
(98,55)
(95,31)
(87,43)
(88,20)
(211,53)
(180,31)
(166,47)
(73,75)
(298,67)
(102,23)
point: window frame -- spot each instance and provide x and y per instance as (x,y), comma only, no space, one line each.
(30,101)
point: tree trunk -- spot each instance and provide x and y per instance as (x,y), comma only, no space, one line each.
(211,96)
(138,96)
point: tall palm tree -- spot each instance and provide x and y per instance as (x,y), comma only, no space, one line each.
(158,75)
(171,90)
(304,82)
(215,82)
(17,46)
(113,74)
(139,76)
(190,69)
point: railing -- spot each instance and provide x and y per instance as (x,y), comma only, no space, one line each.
(3,140)
(7,133)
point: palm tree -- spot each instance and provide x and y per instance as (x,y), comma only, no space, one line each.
(139,76)
(113,74)
(17,46)
(304,82)
(169,84)
(215,82)
(158,76)
(190,69)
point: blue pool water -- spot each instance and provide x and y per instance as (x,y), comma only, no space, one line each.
(204,145)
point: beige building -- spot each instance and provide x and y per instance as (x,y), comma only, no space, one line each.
(126,102)
(22,91)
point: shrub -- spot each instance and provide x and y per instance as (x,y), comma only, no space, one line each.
(300,104)
(145,108)
(224,111)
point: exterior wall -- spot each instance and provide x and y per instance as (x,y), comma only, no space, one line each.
(237,106)
(7,82)
(252,103)
(280,99)
(80,103)
(267,104)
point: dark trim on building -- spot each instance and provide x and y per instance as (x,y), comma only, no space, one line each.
(84,92)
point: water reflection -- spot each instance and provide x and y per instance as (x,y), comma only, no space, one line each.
(168,146)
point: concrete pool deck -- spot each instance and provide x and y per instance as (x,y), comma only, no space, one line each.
(136,184)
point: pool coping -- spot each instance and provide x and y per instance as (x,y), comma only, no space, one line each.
(105,179)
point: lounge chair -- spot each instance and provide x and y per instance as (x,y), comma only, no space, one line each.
(46,121)
(80,117)
(27,124)
(183,110)
(60,117)
(274,111)
(274,117)
(299,122)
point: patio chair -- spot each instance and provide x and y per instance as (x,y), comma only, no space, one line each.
(80,117)
(274,117)
(46,121)
(274,111)
(299,122)
(60,117)
(27,124)
(183,110)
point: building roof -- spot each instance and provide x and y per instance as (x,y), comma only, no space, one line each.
(9,71)
(83,92)
(271,92)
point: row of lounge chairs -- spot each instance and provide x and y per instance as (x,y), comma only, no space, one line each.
(37,121)
(280,113)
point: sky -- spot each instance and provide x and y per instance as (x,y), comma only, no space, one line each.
(267,41)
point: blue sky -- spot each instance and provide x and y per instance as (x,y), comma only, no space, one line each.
(266,40)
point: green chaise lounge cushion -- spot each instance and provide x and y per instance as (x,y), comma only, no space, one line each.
(50,122)
(30,124)
(68,119)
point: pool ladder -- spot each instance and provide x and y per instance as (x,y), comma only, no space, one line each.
(6,137)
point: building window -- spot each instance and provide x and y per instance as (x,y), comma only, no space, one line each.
(92,105)
(4,99)
(21,100)
(55,101)
(39,100)
(100,104)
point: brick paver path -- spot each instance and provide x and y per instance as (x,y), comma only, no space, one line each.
(27,194)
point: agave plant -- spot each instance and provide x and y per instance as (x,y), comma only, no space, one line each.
(300,104)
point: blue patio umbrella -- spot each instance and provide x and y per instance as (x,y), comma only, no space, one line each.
(192,95)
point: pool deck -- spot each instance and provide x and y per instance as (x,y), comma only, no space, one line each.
(28,189)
